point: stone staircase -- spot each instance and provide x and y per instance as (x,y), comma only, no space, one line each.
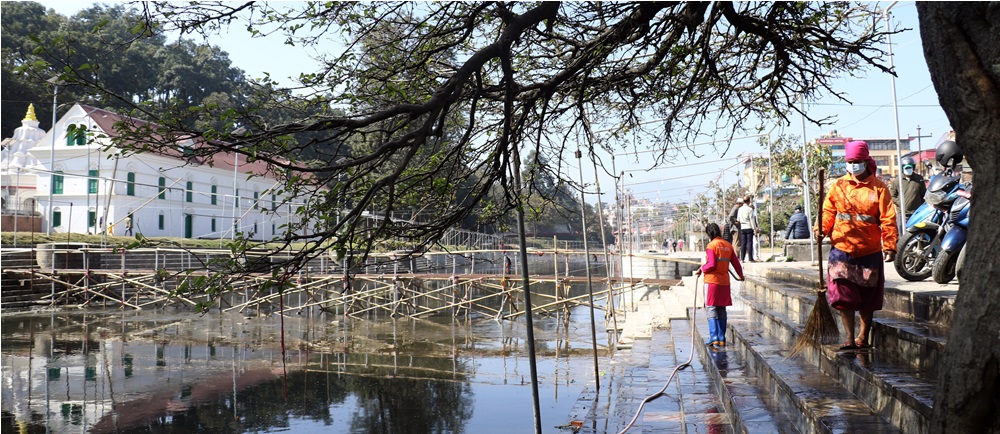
(887,389)
(21,294)
(656,337)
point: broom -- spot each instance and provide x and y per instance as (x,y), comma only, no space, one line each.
(821,328)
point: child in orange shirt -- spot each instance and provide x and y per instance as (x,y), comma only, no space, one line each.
(719,254)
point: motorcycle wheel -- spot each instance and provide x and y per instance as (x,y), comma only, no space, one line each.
(909,261)
(959,263)
(944,267)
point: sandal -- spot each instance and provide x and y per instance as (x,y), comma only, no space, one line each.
(861,344)
(849,345)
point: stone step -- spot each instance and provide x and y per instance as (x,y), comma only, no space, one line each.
(894,388)
(749,403)
(811,400)
(688,404)
(936,307)
(920,343)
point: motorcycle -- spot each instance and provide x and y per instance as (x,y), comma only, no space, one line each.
(919,247)
(945,264)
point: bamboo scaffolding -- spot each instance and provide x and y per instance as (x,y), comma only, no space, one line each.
(438,309)
(513,315)
(397,294)
(472,302)
(269,297)
(138,283)
(123,302)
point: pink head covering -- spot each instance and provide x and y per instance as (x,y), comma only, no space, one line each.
(858,150)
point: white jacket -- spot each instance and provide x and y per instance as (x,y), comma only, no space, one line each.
(746,218)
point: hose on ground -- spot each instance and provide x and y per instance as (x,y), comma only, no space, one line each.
(694,315)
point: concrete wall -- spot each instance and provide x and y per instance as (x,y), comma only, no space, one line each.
(652,268)
(802,250)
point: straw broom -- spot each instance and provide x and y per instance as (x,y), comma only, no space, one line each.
(821,328)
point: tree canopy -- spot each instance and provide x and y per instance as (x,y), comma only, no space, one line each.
(432,107)
(115,63)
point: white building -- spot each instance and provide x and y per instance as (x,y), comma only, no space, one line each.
(90,185)
(17,166)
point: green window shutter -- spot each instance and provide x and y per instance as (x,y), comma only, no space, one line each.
(92,182)
(215,191)
(70,136)
(130,186)
(274,202)
(256,200)
(91,218)
(81,138)
(162,222)
(190,194)
(163,191)
(57,184)
(56,218)
(213,225)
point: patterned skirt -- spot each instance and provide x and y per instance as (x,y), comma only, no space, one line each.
(855,283)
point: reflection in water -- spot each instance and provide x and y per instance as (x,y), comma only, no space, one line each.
(113,371)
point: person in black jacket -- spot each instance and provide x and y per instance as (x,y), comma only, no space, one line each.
(798,225)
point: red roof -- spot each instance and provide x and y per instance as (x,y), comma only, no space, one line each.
(222,159)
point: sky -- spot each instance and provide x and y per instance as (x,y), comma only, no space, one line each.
(869,115)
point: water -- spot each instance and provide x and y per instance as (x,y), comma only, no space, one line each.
(103,371)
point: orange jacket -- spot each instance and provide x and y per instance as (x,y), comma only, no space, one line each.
(716,268)
(860,217)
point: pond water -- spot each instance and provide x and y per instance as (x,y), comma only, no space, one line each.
(103,371)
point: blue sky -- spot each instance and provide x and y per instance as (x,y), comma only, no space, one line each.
(870,114)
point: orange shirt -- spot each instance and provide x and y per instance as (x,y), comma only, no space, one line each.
(860,217)
(724,255)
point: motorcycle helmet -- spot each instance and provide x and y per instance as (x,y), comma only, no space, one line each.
(908,161)
(949,154)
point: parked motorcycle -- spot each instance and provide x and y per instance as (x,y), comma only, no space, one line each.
(954,240)
(919,245)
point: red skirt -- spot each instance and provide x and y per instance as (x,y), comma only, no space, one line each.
(717,295)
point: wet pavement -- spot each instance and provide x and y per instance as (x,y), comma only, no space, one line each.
(692,404)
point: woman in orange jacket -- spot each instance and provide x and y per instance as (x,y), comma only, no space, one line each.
(719,254)
(860,219)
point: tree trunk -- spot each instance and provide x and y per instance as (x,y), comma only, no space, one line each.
(962,52)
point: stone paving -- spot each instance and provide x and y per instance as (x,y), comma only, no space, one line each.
(656,337)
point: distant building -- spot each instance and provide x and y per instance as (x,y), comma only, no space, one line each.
(883,151)
(94,186)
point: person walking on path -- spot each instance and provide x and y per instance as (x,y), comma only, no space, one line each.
(860,219)
(748,228)
(914,189)
(798,225)
(718,255)
(128,225)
